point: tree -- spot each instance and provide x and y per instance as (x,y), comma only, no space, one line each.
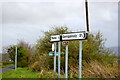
(23,53)
(93,48)
(43,44)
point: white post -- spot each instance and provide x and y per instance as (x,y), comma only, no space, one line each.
(16,59)
(59,43)
(80,59)
(66,62)
(55,57)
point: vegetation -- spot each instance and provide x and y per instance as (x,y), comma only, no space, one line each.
(23,53)
(5,57)
(5,64)
(93,52)
(97,61)
(20,73)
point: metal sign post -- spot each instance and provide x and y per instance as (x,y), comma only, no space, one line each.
(66,58)
(16,59)
(59,46)
(82,35)
(80,59)
(55,57)
(66,62)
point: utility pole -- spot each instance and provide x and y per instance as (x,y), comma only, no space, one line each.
(87,15)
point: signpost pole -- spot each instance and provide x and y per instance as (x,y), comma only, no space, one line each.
(66,62)
(55,57)
(80,59)
(16,59)
(59,43)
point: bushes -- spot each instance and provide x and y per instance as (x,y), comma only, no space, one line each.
(40,63)
(6,63)
(96,69)
(93,49)
(22,55)
(94,53)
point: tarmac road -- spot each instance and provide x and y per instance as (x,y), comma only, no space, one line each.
(6,68)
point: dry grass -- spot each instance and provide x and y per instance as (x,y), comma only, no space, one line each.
(95,69)
(0,64)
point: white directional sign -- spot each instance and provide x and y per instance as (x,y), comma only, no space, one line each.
(55,38)
(74,36)
(53,47)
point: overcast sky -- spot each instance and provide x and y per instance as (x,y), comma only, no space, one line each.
(26,20)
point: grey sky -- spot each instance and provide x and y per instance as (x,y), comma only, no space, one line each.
(25,21)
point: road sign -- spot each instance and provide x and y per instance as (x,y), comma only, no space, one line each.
(53,47)
(52,53)
(74,36)
(65,42)
(55,38)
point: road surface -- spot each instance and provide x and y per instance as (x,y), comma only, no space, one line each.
(6,68)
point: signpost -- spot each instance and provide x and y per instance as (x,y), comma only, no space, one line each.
(65,42)
(65,38)
(16,58)
(74,36)
(66,58)
(55,38)
(80,59)
(59,46)
(53,53)
(55,57)
(53,47)
(66,62)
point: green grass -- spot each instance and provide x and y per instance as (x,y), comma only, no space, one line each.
(0,76)
(5,64)
(20,73)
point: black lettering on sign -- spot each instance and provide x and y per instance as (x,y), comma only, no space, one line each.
(69,36)
(81,35)
(53,37)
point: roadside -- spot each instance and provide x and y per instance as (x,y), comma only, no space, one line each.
(20,73)
(0,70)
(7,68)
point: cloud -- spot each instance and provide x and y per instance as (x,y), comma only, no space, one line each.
(104,17)
(0,28)
(40,13)
(27,20)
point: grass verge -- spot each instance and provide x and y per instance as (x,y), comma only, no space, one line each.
(20,73)
(5,64)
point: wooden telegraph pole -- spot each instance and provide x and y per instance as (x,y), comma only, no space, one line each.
(87,16)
